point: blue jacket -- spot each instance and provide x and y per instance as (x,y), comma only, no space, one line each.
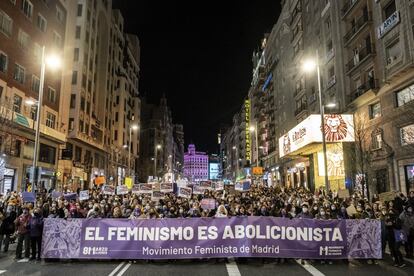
(36,226)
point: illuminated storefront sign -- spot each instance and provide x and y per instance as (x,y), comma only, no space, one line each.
(335,160)
(247,129)
(337,128)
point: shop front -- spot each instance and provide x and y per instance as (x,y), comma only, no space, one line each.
(302,150)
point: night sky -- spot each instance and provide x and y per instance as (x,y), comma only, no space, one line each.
(199,54)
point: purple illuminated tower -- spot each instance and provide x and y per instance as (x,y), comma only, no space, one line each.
(195,164)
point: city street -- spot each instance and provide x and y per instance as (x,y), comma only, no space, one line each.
(8,266)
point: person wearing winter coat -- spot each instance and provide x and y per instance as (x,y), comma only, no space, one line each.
(407,220)
(35,230)
(7,229)
(23,235)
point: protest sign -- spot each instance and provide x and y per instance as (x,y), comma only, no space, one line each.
(84,195)
(128,182)
(145,188)
(108,190)
(343,193)
(208,204)
(219,186)
(351,210)
(185,192)
(182,183)
(197,190)
(387,196)
(121,190)
(156,195)
(70,196)
(100,180)
(206,185)
(242,186)
(247,237)
(156,186)
(135,189)
(56,194)
(166,187)
(28,197)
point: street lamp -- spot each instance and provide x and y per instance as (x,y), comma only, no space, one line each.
(156,148)
(131,128)
(309,66)
(53,62)
(254,129)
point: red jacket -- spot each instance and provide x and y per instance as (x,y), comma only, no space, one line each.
(22,223)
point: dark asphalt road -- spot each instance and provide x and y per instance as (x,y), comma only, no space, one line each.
(254,267)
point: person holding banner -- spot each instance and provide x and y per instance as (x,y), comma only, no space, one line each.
(35,228)
(23,235)
(393,227)
(407,219)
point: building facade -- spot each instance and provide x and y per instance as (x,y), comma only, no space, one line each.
(101,88)
(195,164)
(25,28)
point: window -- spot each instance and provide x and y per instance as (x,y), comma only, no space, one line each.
(6,23)
(393,53)
(3,62)
(23,39)
(41,23)
(79,9)
(59,15)
(405,96)
(76,54)
(116,116)
(72,100)
(376,142)
(82,103)
(78,32)
(35,84)
(47,154)
(78,154)
(407,135)
(57,39)
(17,103)
(27,8)
(71,124)
(375,110)
(74,77)
(50,120)
(389,9)
(51,94)
(116,135)
(37,52)
(19,73)
(80,125)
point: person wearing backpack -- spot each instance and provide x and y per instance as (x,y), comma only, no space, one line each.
(7,229)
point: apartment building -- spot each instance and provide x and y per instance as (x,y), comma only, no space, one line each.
(25,28)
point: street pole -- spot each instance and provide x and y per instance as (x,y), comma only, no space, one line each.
(129,152)
(322,110)
(38,115)
(155,160)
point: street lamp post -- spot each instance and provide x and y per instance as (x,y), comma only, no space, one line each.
(53,62)
(131,128)
(156,148)
(309,66)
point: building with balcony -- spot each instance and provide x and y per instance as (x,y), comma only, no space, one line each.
(26,27)
(101,95)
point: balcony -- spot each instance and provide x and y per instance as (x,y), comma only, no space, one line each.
(371,84)
(329,55)
(298,91)
(349,4)
(295,13)
(331,82)
(301,109)
(359,25)
(359,58)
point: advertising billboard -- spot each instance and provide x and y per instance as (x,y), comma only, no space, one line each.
(213,171)
(337,128)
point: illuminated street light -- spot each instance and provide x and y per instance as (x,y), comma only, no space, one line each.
(53,62)
(309,65)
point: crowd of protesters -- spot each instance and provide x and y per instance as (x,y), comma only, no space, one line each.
(23,222)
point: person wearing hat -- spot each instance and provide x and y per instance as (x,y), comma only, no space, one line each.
(305,214)
(22,222)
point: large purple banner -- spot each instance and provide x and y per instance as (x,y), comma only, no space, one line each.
(211,238)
